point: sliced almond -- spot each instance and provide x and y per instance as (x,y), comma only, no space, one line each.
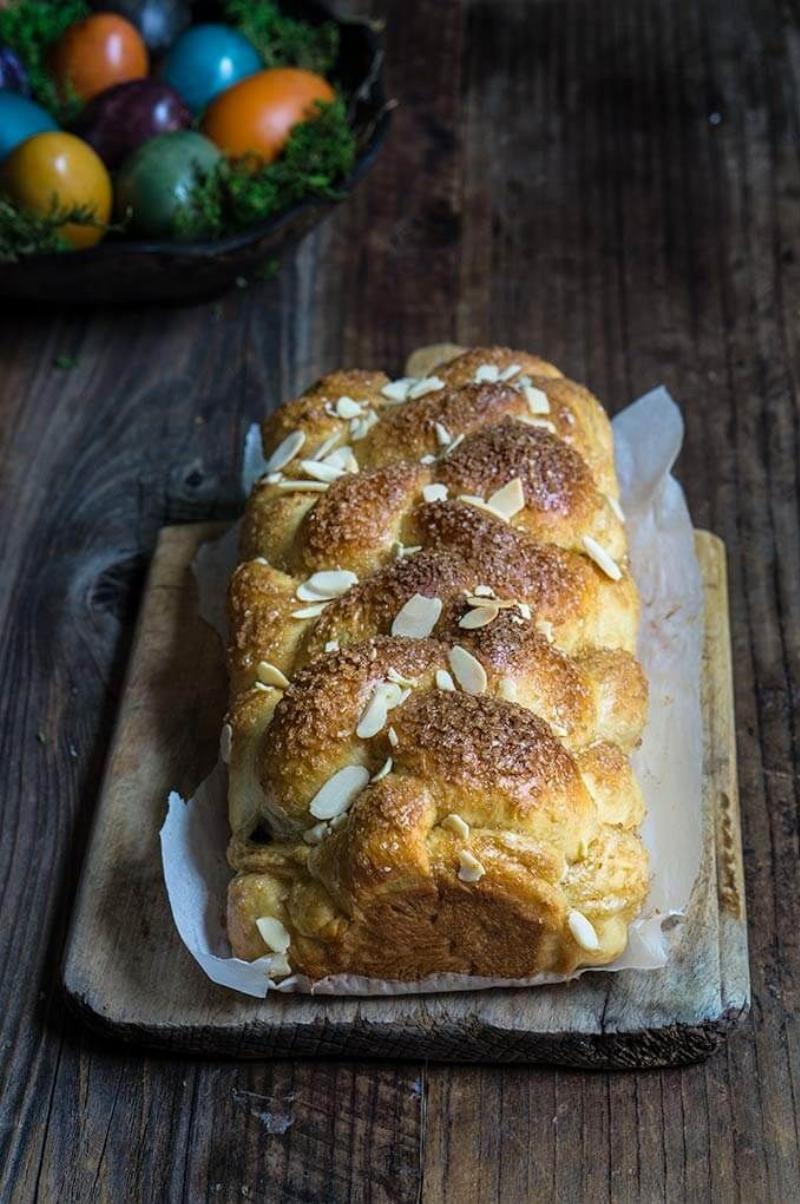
(453,444)
(360,427)
(583,931)
(400,679)
(444,681)
(483,591)
(421,388)
(509,500)
(342,458)
(302,486)
(339,791)
(454,823)
(317,834)
(393,738)
(385,697)
(543,423)
(347,408)
(481,616)
(271,675)
(272,478)
(398,390)
(443,436)
(320,471)
(615,506)
(309,612)
(273,933)
(225,743)
(507,689)
(467,670)
(480,504)
(428,458)
(510,372)
(545,627)
(406,549)
(326,445)
(537,399)
(286,450)
(418,617)
(600,556)
(487,374)
(524,609)
(469,868)
(322,586)
(279,966)
(331,645)
(434,493)
(384,770)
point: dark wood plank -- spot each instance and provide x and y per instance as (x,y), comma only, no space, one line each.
(624,180)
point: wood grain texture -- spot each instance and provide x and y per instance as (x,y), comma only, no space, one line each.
(128,977)
(615,184)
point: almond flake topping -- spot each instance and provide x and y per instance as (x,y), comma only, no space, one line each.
(428,458)
(480,504)
(400,680)
(286,450)
(398,390)
(326,445)
(342,458)
(385,697)
(394,739)
(453,444)
(469,868)
(384,770)
(434,493)
(273,934)
(225,743)
(454,823)
(467,670)
(347,408)
(509,500)
(328,584)
(279,966)
(487,374)
(510,372)
(272,478)
(309,612)
(332,646)
(542,423)
(360,427)
(320,471)
(443,436)
(418,617)
(537,399)
(271,675)
(483,591)
(615,506)
(525,610)
(583,931)
(339,791)
(302,486)
(600,556)
(444,681)
(507,689)
(421,388)
(481,616)
(545,627)
(402,549)
(317,834)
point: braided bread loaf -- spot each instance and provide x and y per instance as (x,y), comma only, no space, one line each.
(434,692)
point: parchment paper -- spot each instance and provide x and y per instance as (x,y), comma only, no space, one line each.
(668,763)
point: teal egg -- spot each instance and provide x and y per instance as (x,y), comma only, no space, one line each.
(156,180)
(20,118)
(207,59)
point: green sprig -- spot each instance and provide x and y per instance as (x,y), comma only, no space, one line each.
(284,41)
(30,27)
(23,233)
(232,196)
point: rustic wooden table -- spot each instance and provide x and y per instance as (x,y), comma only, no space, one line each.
(616,185)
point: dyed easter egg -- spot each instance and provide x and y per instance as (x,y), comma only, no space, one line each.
(120,119)
(158,21)
(96,53)
(156,180)
(13,76)
(58,168)
(257,115)
(207,59)
(19,119)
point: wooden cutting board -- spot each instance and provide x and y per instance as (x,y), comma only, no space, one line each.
(127,973)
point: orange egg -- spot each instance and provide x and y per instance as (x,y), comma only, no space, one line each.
(97,53)
(59,169)
(256,116)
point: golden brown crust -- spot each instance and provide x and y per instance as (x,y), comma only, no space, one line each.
(458,799)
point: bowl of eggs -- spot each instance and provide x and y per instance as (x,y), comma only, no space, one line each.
(153,150)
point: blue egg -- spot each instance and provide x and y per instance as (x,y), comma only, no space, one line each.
(207,59)
(20,118)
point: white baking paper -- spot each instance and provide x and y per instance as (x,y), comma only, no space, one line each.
(668,763)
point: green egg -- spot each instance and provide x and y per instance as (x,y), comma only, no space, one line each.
(156,180)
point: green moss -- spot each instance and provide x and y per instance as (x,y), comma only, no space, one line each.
(319,155)
(23,233)
(283,41)
(31,27)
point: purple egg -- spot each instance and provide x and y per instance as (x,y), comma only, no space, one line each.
(13,77)
(120,119)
